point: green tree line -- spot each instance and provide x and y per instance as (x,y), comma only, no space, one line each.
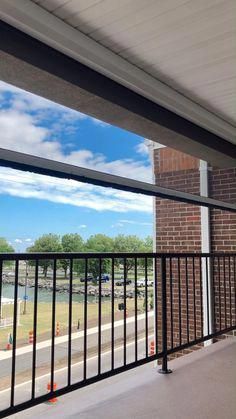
(99,243)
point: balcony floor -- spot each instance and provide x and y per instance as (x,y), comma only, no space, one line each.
(202,386)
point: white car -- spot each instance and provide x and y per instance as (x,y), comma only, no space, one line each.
(141,282)
(150,283)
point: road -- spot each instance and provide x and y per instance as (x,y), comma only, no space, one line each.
(24,360)
(23,390)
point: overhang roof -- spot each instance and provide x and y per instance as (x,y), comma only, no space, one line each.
(178,54)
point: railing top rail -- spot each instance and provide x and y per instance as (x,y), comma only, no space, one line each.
(34,164)
(108,255)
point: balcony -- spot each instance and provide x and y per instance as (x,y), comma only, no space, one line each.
(182,301)
(202,386)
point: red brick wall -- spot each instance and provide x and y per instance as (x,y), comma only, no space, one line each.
(223,239)
(178,229)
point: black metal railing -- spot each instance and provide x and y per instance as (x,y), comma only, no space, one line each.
(107,314)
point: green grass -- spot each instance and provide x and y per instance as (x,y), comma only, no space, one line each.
(44,318)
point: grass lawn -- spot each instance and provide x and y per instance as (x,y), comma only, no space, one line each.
(44,319)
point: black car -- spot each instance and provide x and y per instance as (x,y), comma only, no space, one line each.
(121,282)
(89,279)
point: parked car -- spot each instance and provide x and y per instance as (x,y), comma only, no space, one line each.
(89,278)
(10,274)
(104,278)
(121,282)
(141,282)
(150,283)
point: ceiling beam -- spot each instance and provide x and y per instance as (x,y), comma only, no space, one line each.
(44,26)
(60,76)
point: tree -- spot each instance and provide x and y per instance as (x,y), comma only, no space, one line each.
(5,247)
(99,243)
(47,243)
(129,244)
(147,248)
(148,244)
(72,243)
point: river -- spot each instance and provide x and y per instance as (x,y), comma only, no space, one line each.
(43,294)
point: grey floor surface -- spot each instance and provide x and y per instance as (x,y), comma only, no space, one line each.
(202,386)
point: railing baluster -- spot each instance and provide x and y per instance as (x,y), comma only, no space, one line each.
(219,285)
(85,317)
(112,314)
(100,316)
(125,309)
(35,328)
(146,307)
(201,295)
(135,310)
(234,270)
(212,270)
(225,322)
(53,322)
(156,304)
(207,295)
(194,299)
(187,305)
(179,298)
(70,322)
(171,303)
(15,314)
(164,369)
(230,296)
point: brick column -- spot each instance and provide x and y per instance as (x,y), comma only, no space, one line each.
(178,229)
(223,239)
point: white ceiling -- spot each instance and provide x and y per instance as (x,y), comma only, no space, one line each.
(189,45)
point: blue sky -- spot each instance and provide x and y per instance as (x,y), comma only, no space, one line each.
(31,205)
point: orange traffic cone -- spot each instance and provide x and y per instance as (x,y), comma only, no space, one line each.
(58,329)
(152,348)
(9,343)
(54,399)
(31,336)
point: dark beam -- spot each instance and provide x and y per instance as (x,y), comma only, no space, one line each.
(37,54)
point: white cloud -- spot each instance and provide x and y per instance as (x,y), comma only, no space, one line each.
(25,102)
(82,226)
(117,225)
(135,222)
(22,132)
(142,148)
(28,185)
(25,132)
(28,240)
(18,241)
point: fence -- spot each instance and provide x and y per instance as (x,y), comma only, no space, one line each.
(181,301)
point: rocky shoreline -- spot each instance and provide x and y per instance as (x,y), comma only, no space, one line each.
(46,285)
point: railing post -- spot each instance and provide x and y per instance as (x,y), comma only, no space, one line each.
(164,369)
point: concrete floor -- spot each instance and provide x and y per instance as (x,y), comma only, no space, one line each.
(202,386)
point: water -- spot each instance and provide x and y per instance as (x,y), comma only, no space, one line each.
(43,295)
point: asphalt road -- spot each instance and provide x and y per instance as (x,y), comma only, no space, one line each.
(23,390)
(24,361)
